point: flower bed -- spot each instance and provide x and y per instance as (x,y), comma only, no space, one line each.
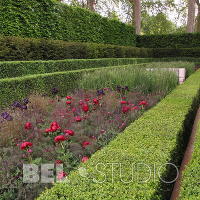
(19,87)
(69,130)
(154,139)
(42,130)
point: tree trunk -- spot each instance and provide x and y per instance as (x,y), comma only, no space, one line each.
(198,18)
(136,6)
(91,5)
(191,16)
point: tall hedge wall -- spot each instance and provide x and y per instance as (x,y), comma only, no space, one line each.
(51,19)
(186,40)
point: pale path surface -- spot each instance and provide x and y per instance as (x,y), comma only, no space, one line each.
(180,72)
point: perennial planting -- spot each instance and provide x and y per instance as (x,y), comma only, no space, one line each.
(64,131)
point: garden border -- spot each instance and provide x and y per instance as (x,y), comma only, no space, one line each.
(138,143)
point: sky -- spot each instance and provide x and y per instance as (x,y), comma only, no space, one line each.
(171,14)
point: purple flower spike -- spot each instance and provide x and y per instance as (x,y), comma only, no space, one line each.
(26,101)
(100,92)
(24,107)
(6,116)
(16,104)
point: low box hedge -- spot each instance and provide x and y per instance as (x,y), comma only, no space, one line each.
(22,68)
(156,138)
(190,189)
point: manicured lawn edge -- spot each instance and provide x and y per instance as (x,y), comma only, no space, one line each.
(22,68)
(152,140)
(190,189)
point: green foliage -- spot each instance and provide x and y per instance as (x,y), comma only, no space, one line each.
(187,40)
(135,78)
(22,68)
(190,181)
(174,52)
(18,48)
(158,24)
(154,139)
(48,19)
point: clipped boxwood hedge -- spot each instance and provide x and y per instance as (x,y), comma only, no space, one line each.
(156,138)
(190,189)
(22,68)
(18,48)
(184,40)
(58,21)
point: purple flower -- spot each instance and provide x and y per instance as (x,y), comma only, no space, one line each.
(6,116)
(16,104)
(119,88)
(100,92)
(26,101)
(126,88)
(23,107)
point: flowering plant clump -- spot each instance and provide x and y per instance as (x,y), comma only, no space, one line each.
(63,131)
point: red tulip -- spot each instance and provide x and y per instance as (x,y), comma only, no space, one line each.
(85,144)
(135,108)
(47,130)
(68,97)
(85,108)
(69,132)
(28,126)
(61,175)
(78,118)
(123,102)
(125,109)
(24,145)
(68,102)
(58,162)
(84,159)
(96,101)
(87,99)
(143,103)
(59,138)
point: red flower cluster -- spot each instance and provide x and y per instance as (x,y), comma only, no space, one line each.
(123,102)
(96,101)
(68,97)
(28,126)
(68,102)
(69,132)
(78,119)
(60,138)
(25,145)
(125,109)
(85,108)
(84,159)
(85,144)
(54,127)
(143,103)
(61,175)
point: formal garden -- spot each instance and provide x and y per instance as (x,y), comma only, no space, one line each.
(90,108)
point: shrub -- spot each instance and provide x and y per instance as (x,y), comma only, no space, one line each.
(58,21)
(189,184)
(186,40)
(156,138)
(173,52)
(17,48)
